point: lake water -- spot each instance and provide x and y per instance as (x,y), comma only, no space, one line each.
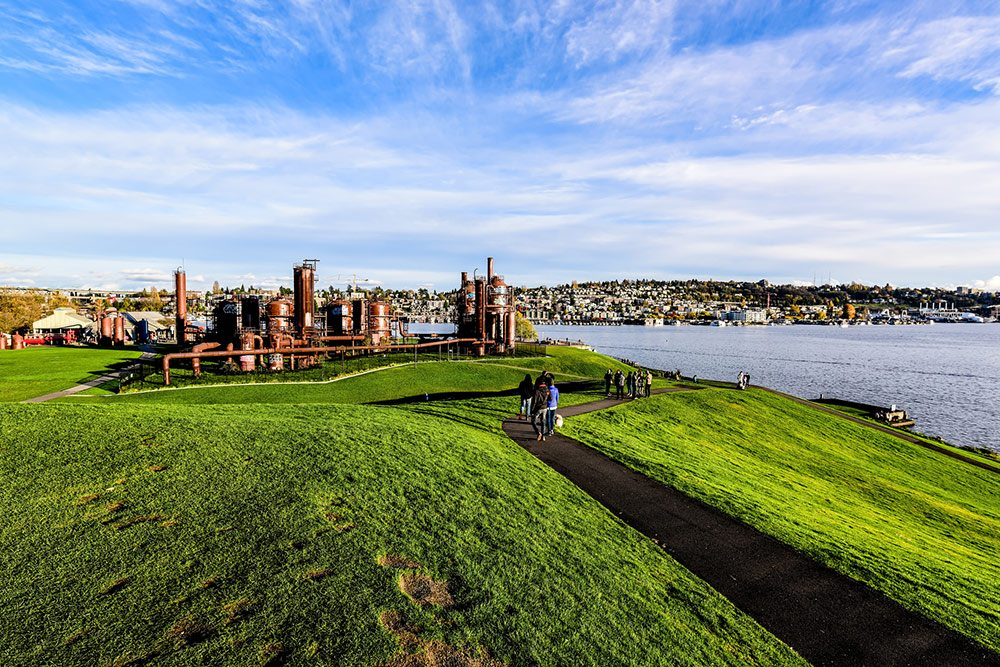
(946,376)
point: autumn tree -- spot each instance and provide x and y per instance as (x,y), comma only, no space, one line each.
(524,329)
(19,311)
(849,311)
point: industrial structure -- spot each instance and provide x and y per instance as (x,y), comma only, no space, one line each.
(486,312)
(255,332)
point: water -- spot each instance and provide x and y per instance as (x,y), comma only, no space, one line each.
(946,376)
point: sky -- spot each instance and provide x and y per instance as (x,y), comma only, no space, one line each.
(403,142)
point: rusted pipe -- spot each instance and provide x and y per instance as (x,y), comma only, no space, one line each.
(222,354)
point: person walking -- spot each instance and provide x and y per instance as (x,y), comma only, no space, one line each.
(649,383)
(608,378)
(525,390)
(539,408)
(619,384)
(550,418)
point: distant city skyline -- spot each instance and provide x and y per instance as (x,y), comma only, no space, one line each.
(851,140)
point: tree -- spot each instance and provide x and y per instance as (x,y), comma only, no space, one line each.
(849,311)
(216,288)
(524,329)
(19,311)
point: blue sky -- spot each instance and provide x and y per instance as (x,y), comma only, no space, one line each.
(404,142)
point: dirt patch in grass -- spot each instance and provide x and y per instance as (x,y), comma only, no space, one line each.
(239,609)
(76,636)
(318,573)
(116,586)
(439,654)
(425,591)
(188,630)
(131,660)
(211,582)
(344,527)
(272,653)
(116,506)
(87,498)
(145,518)
(398,562)
(156,468)
(170,523)
(407,633)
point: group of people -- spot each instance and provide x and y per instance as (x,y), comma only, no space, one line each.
(634,384)
(539,400)
(743,380)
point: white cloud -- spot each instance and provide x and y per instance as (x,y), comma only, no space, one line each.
(990,285)
(960,48)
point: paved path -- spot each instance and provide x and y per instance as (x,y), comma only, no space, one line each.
(90,384)
(828,618)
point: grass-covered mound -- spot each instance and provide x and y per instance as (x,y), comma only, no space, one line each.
(36,371)
(429,378)
(920,526)
(347,535)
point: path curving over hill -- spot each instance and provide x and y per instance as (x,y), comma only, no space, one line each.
(828,618)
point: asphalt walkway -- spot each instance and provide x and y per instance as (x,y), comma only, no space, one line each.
(828,618)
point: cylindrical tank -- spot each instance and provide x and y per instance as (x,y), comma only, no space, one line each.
(338,318)
(305,277)
(180,290)
(250,312)
(107,328)
(497,292)
(3,341)
(17,342)
(119,330)
(511,327)
(379,321)
(227,319)
(279,308)
(359,316)
(248,362)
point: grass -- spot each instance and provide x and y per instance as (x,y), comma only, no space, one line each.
(248,560)
(426,378)
(36,371)
(921,527)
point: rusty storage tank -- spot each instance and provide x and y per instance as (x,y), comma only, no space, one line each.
(248,362)
(379,321)
(180,295)
(497,294)
(338,318)
(3,341)
(250,312)
(275,362)
(305,278)
(359,316)
(17,342)
(227,318)
(119,330)
(279,316)
(107,329)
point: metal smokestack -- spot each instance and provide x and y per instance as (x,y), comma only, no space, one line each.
(180,290)
(489,269)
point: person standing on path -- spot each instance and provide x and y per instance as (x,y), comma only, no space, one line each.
(619,384)
(550,418)
(539,408)
(525,391)
(649,383)
(608,378)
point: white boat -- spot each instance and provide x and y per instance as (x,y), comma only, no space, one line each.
(718,323)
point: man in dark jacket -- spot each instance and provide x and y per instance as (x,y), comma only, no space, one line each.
(539,409)
(619,384)
(525,390)
(608,377)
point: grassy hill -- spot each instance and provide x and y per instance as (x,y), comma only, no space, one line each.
(41,370)
(148,529)
(922,527)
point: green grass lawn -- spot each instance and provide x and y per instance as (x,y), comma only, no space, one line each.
(401,381)
(921,527)
(250,534)
(36,371)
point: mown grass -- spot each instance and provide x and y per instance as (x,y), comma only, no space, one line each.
(920,526)
(251,534)
(434,378)
(37,371)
